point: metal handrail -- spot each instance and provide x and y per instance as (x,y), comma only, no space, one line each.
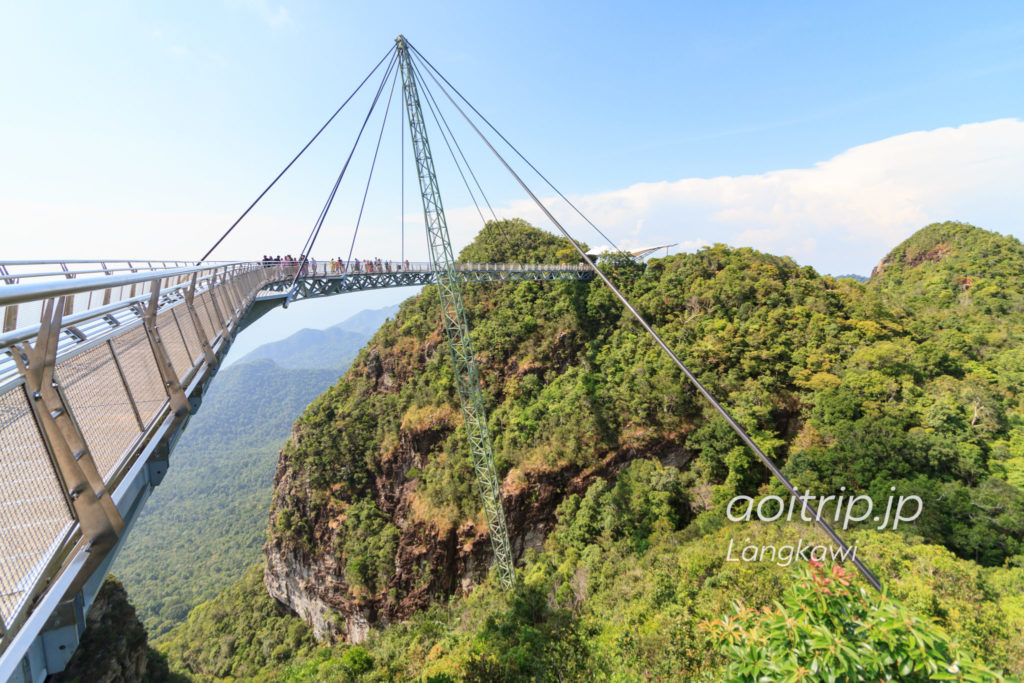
(10,272)
(20,293)
(73,274)
(323,268)
(152,264)
(173,307)
(172,337)
(43,262)
(26,333)
(24,292)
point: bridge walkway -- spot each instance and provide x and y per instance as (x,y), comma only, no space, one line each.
(101,366)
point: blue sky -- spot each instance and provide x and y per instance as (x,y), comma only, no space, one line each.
(827,131)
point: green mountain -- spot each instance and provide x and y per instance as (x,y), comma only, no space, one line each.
(367,322)
(334,347)
(201,525)
(617,478)
(205,523)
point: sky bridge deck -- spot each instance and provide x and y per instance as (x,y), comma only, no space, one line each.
(101,365)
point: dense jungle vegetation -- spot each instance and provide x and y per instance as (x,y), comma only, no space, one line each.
(206,522)
(911,380)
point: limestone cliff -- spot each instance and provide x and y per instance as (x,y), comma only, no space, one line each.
(375,512)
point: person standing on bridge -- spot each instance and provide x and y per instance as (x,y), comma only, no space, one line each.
(312,265)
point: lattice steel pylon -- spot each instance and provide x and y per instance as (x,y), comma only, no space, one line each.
(467,376)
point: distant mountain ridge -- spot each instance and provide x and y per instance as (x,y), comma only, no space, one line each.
(206,522)
(367,322)
(909,383)
(333,348)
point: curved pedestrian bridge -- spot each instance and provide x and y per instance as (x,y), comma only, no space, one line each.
(101,365)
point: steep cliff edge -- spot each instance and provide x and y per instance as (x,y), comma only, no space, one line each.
(114,645)
(374,512)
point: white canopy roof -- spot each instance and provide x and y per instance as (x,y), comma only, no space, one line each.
(635,253)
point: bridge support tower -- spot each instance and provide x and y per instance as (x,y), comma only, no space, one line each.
(467,376)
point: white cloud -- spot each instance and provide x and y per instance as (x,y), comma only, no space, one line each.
(691,245)
(840,215)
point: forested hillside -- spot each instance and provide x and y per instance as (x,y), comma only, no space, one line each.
(333,348)
(617,477)
(205,523)
(199,527)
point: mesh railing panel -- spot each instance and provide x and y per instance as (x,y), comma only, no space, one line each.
(33,511)
(100,405)
(223,303)
(195,350)
(205,304)
(174,343)
(136,356)
(206,316)
(231,299)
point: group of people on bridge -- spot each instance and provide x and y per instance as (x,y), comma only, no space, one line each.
(308,265)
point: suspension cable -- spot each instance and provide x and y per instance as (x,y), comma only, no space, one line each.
(330,199)
(296,158)
(439,113)
(373,164)
(444,137)
(512,147)
(315,232)
(306,250)
(435,111)
(864,571)
(401,137)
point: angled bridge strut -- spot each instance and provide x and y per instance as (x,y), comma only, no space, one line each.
(94,397)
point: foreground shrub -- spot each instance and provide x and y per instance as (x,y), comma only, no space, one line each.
(825,630)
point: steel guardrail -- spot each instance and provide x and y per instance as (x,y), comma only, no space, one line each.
(96,372)
(82,392)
